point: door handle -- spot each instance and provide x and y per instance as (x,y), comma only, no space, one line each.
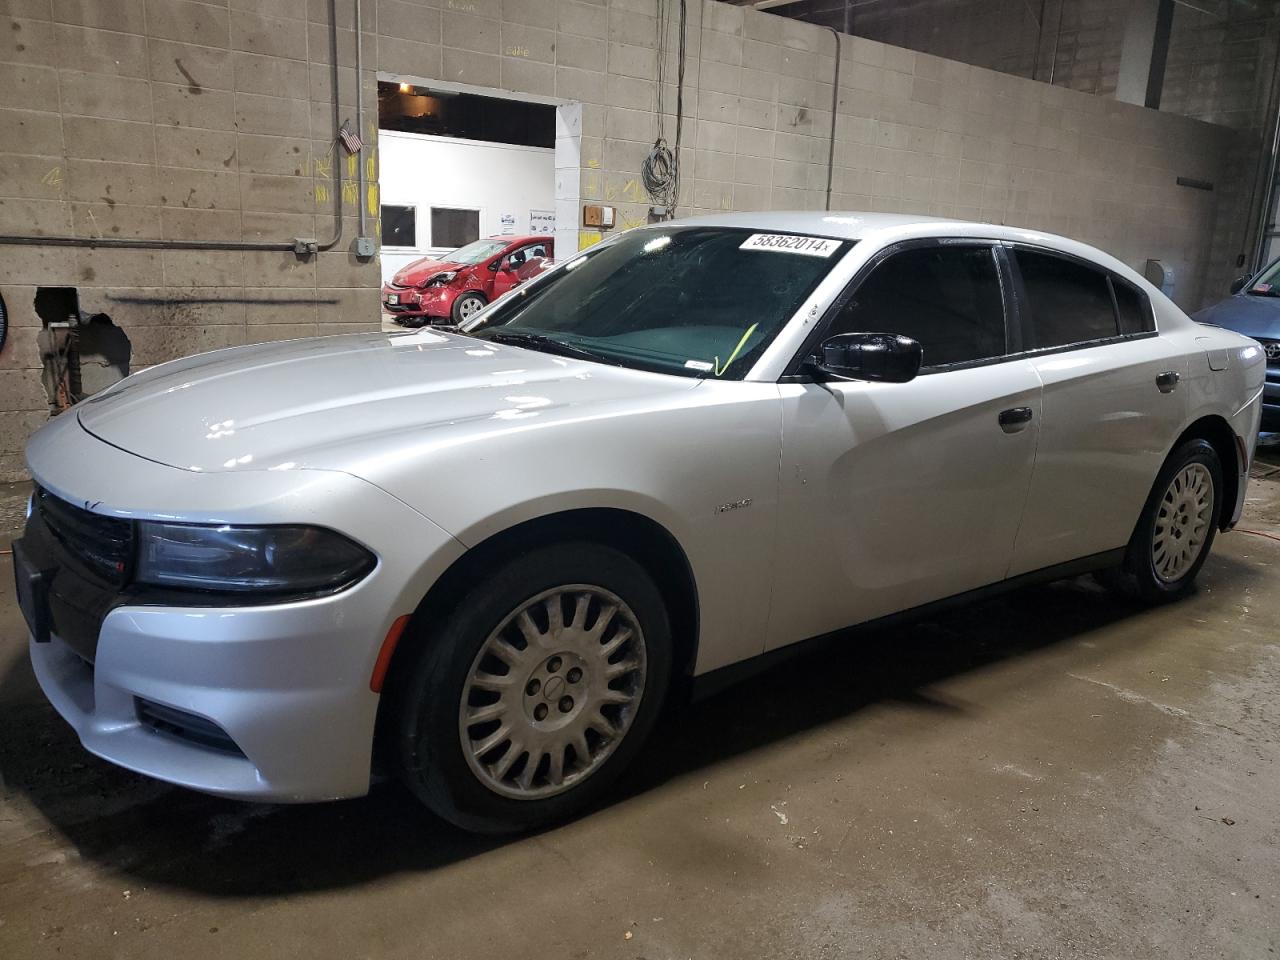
(1014,419)
(1168,380)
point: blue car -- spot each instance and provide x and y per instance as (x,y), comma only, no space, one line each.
(1254,310)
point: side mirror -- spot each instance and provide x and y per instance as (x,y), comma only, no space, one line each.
(882,357)
(1238,284)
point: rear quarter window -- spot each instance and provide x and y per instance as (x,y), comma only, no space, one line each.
(1132,308)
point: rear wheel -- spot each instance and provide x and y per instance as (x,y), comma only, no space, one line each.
(1176,528)
(466,306)
(526,704)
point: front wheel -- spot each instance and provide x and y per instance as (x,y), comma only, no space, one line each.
(1177,526)
(466,306)
(529,701)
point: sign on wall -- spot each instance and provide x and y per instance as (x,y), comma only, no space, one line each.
(542,221)
(508,224)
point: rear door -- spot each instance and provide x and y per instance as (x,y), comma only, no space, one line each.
(897,494)
(518,266)
(1112,406)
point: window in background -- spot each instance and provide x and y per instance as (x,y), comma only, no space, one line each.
(399,226)
(452,227)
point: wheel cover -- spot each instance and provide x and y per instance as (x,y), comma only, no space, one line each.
(1182,522)
(469,306)
(552,692)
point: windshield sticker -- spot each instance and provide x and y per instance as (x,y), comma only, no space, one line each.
(699,365)
(1262,288)
(784,243)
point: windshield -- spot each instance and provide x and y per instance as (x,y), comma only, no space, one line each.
(694,301)
(476,252)
(1267,283)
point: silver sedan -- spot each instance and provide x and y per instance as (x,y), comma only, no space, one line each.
(486,556)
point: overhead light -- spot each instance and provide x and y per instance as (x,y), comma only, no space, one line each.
(406,88)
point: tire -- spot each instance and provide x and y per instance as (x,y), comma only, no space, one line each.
(455,764)
(466,305)
(1176,528)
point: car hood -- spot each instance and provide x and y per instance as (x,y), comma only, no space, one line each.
(415,273)
(331,402)
(1252,316)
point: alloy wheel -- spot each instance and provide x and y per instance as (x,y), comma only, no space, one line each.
(1182,522)
(552,692)
(469,307)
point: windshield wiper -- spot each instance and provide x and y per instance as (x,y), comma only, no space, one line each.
(536,341)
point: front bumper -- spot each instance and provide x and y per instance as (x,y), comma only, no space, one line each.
(282,682)
(1271,400)
(431,302)
(288,682)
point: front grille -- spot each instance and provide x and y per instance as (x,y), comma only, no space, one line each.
(102,545)
(1272,350)
(185,726)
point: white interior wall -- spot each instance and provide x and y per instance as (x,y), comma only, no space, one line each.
(498,179)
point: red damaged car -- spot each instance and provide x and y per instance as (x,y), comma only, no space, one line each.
(453,288)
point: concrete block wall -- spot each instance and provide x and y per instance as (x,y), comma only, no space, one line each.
(178,120)
(919,134)
(213,120)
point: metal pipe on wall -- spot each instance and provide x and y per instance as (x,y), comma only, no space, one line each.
(1256,235)
(360,171)
(300,246)
(835,103)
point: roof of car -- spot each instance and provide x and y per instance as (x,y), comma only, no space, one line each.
(531,238)
(894,227)
(851,225)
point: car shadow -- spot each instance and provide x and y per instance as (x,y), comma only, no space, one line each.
(154,834)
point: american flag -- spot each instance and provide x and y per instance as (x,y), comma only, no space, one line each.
(350,139)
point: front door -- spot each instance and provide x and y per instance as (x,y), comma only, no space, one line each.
(895,495)
(517,267)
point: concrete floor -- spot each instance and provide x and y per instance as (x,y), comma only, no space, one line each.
(1054,774)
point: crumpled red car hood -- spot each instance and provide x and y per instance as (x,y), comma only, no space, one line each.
(420,270)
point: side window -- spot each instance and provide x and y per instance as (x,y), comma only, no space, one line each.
(399,226)
(452,227)
(946,297)
(1067,301)
(1132,307)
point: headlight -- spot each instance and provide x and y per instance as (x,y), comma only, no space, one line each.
(248,559)
(441,278)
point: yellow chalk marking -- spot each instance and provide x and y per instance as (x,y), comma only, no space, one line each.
(373,199)
(322,193)
(350,194)
(736,350)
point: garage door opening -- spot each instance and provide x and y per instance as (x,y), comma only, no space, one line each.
(457,168)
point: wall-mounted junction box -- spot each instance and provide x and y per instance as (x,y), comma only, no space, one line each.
(595,215)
